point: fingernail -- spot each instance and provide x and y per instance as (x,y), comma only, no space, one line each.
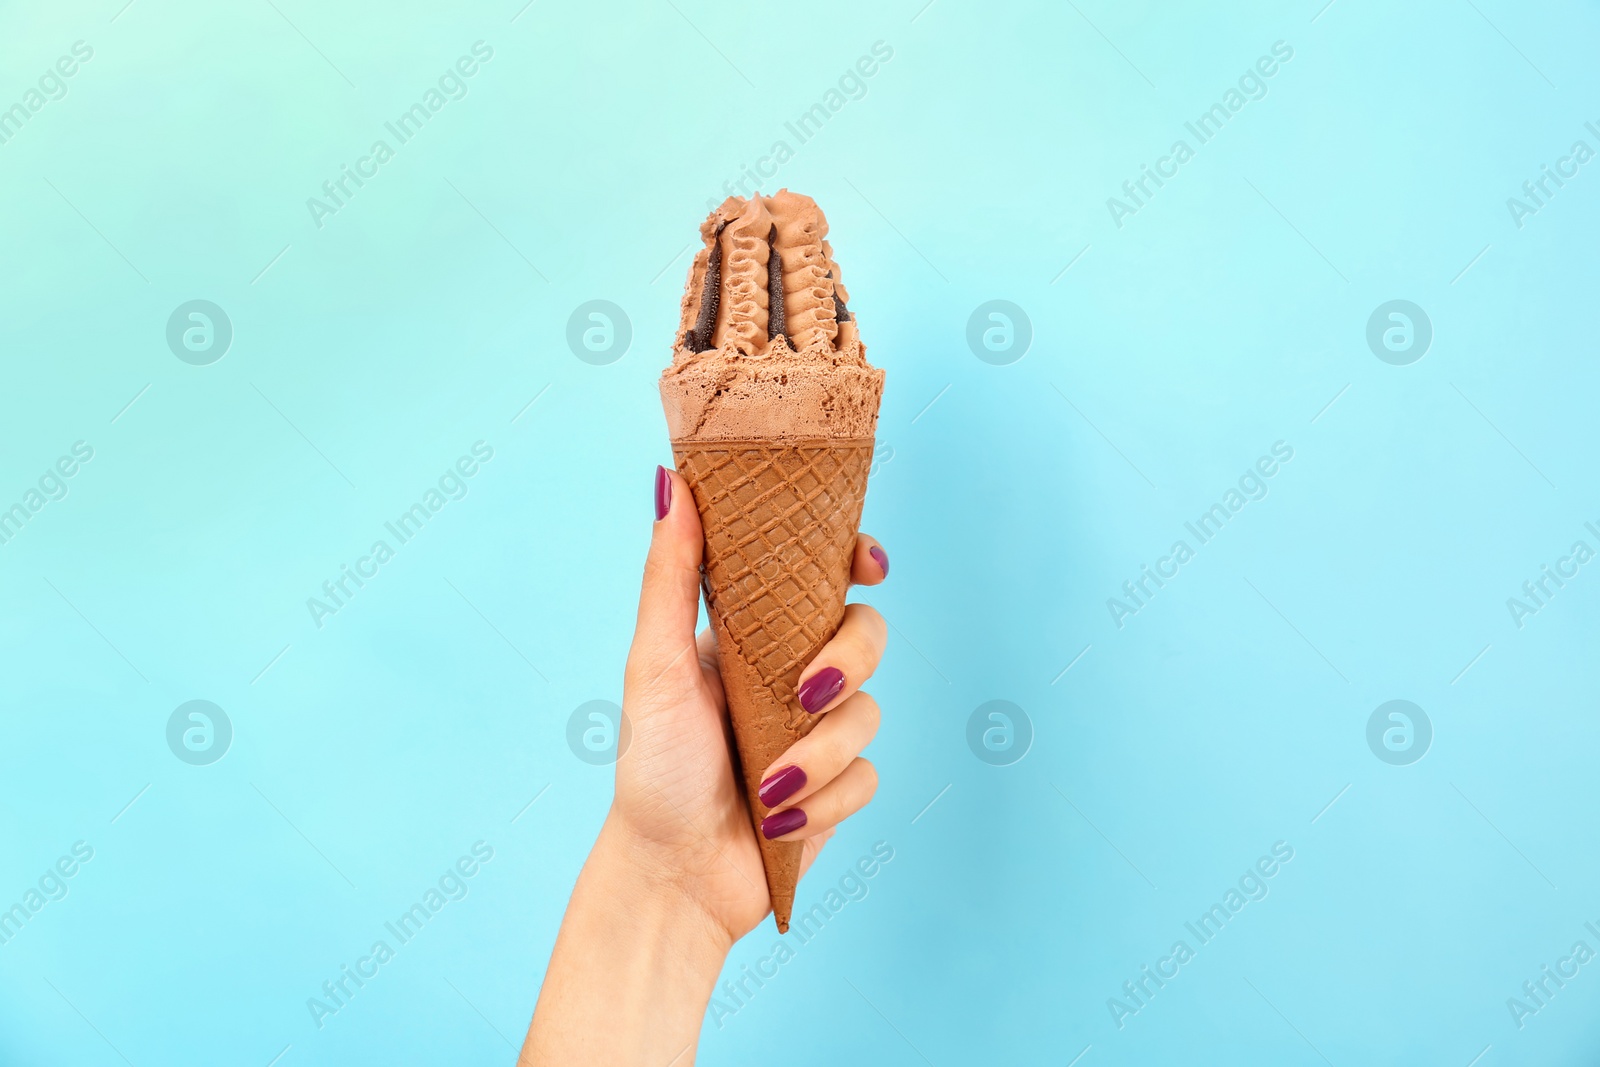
(785,822)
(882,557)
(821,688)
(781,786)
(663,493)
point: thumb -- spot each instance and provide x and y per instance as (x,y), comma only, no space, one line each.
(669,602)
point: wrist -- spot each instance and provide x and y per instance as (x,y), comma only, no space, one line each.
(634,966)
(655,891)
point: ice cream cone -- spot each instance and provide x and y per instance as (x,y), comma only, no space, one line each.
(780,524)
(774,437)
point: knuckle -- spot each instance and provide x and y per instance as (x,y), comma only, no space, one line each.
(657,664)
(869,779)
(869,624)
(871,714)
(658,569)
(864,614)
(861,637)
(839,754)
(853,649)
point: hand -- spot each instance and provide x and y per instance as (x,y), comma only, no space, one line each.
(675,876)
(678,803)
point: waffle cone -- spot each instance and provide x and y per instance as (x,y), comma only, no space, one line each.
(780,519)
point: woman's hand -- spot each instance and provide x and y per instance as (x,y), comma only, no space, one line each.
(675,877)
(678,801)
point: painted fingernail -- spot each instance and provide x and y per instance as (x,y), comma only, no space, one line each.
(663,493)
(785,822)
(882,557)
(821,688)
(781,786)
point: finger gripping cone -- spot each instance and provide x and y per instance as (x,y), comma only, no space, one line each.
(780,519)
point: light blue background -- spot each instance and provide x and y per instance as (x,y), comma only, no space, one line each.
(1227,314)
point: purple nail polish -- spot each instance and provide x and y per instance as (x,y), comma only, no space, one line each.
(781,786)
(821,688)
(785,822)
(882,557)
(663,493)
